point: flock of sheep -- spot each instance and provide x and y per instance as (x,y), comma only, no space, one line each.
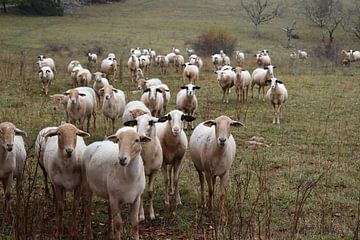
(151,140)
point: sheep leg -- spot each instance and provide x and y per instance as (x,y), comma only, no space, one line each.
(202,190)
(278,113)
(166,183)
(171,179)
(274,114)
(224,92)
(259,90)
(7,182)
(88,123)
(87,212)
(237,91)
(76,202)
(134,218)
(210,184)
(59,193)
(252,90)
(117,222)
(223,182)
(141,213)
(45,180)
(94,118)
(151,194)
(176,181)
(247,93)
(227,95)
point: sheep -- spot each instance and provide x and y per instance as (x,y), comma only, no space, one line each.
(240,58)
(92,58)
(133,64)
(212,149)
(178,62)
(81,105)
(63,163)
(190,74)
(111,56)
(226,79)
(165,93)
(175,50)
(44,61)
(259,76)
(277,95)
(83,77)
(113,104)
(354,56)
(263,60)
(302,54)
(152,99)
(293,56)
(152,54)
(186,101)
(151,154)
(145,51)
(12,161)
(174,144)
(265,52)
(144,62)
(196,61)
(170,57)
(217,60)
(74,72)
(139,74)
(60,99)
(226,60)
(115,172)
(134,109)
(190,51)
(135,51)
(242,83)
(99,82)
(109,67)
(73,64)
(143,84)
(163,62)
(46,76)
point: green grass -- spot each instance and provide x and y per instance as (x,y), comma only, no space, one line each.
(319,128)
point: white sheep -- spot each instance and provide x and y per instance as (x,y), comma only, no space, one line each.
(44,61)
(135,51)
(113,104)
(99,82)
(81,105)
(162,62)
(134,109)
(111,56)
(196,61)
(133,65)
(190,74)
(83,77)
(154,100)
(139,74)
(190,51)
(92,58)
(226,78)
(109,66)
(212,149)
(178,62)
(166,95)
(63,163)
(151,154)
(144,62)
(176,50)
(73,64)
(242,84)
(263,60)
(186,101)
(115,172)
(144,84)
(259,76)
(354,56)
(302,54)
(12,161)
(170,57)
(46,76)
(217,60)
(240,58)
(152,54)
(277,95)
(74,72)
(174,144)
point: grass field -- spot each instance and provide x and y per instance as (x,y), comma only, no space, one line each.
(304,186)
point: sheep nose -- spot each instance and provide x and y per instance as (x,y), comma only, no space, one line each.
(107,97)
(9,147)
(122,161)
(222,141)
(69,152)
(73,101)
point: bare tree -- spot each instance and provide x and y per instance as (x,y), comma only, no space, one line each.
(260,11)
(352,21)
(326,14)
(288,31)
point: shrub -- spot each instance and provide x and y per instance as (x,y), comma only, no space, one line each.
(43,7)
(213,40)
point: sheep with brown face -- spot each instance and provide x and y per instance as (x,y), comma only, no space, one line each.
(190,74)
(134,109)
(242,84)
(144,84)
(240,58)
(63,164)
(212,149)
(83,77)
(179,62)
(226,78)
(99,82)
(115,172)
(133,65)
(12,161)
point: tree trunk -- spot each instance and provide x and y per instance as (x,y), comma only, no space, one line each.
(4,6)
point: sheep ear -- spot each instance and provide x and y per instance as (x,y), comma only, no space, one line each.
(112,138)
(130,123)
(279,81)
(103,74)
(101,91)
(187,118)
(209,123)
(274,66)
(47,71)
(196,87)
(237,124)
(82,94)
(82,134)
(164,118)
(233,69)
(51,133)
(147,90)
(215,72)
(66,93)
(20,132)
(40,71)
(145,139)
(115,90)
(266,67)
(184,87)
(159,90)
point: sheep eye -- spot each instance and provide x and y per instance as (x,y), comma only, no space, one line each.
(137,140)
(59,133)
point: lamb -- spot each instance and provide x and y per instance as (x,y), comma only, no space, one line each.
(302,54)
(109,67)
(212,149)
(226,79)
(134,109)
(190,73)
(240,58)
(242,84)
(12,161)
(115,172)
(99,82)
(39,152)
(151,154)
(196,61)
(186,101)
(46,76)
(92,58)
(174,144)
(152,99)
(178,62)
(62,162)
(72,64)
(277,95)
(133,64)
(83,77)
(44,61)
(81,105)
(163,62)
(259,76)
(143,84)
(113,104)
